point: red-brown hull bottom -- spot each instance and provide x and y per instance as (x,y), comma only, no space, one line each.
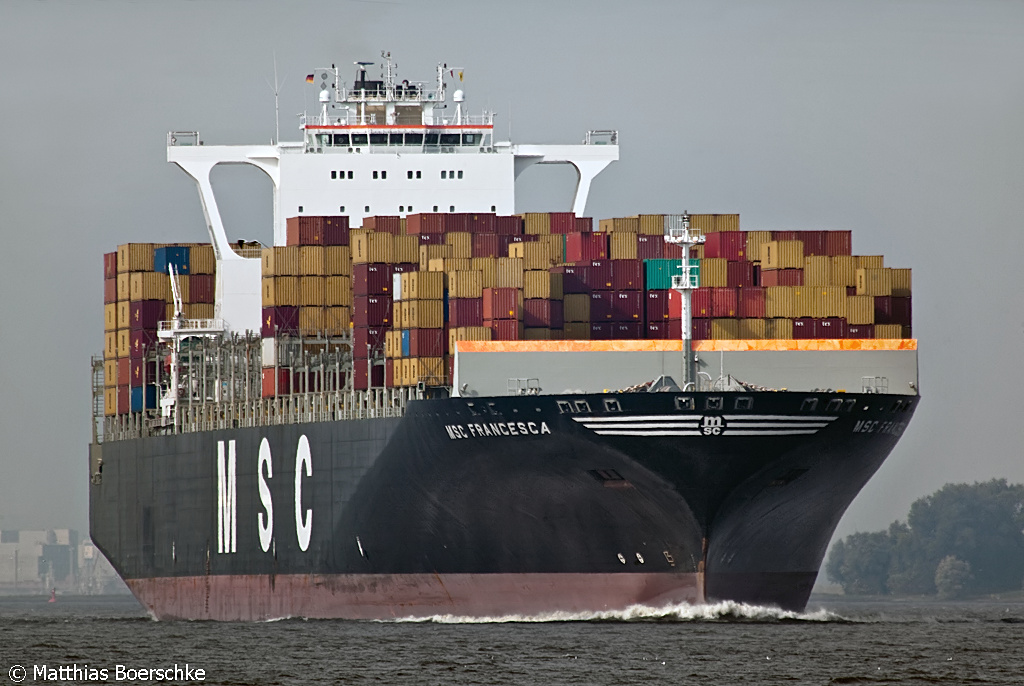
(387,596)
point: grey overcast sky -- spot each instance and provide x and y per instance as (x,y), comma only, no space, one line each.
(898,119)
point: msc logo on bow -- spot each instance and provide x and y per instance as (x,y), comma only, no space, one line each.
(712,426)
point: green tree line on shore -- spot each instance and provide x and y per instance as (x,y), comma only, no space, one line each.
(964,539)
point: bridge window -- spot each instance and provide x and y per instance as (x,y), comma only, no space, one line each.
(341,139)
(414,139)
(431,138)
(378,139)
(359,139)
(450,139)
(470,138)
(395,138)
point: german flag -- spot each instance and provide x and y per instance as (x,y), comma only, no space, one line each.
(310,79)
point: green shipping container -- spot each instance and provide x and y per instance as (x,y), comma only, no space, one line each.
(658,273)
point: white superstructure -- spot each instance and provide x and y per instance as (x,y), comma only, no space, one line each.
(384,147)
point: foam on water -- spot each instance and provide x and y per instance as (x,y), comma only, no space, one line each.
(724,611)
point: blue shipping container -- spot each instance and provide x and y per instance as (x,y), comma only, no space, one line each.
(137,395)
(405,343)
(171,255)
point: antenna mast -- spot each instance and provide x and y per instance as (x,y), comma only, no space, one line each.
(684,283)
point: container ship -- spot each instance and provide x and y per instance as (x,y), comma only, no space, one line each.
(417,402)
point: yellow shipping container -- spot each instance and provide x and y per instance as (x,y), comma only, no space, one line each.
(399,313)
(373,247)
(467,333)
(338,291)
(778,329)
(715,223)
(184,288)
(829,301)
(110,317)
(110,345)
(510,272)
(900,282)
(197,310)
(311,320)
(461,244)
(338,260)
(168,313)
(542,284)
(124,314)
(424,314)
(576,308)
(422,285)
(725,329)
(860,309)
(818,270)
(697,252)
(540,334)
(280,291)
(755,239)
(535,255)
(337,321)
(135,257)
(874,281)
(488,267)
(804,301)
(577,331)
(844,270)
(890,331)
(124,286)
(780,301)
(651,224)
(536,223)
(869,261)
(406,249)
(109,373)
(202,260)
(312,291)
(713,272)
(149,286)
(465,284)
(433,252)
(124,343)
(556,247)
(782,255)
(281,260)
(752,329)
(427,370)
(312,260)
(622,246)
(109,402)
(621,224)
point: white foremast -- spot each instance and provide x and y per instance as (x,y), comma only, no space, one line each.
(439,161)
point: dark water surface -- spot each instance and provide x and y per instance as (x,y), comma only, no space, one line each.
(835,642)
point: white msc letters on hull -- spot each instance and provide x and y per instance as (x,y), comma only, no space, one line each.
(227,496)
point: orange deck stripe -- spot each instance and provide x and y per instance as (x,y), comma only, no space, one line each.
(677,346)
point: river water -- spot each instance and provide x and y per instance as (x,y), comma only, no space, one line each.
(834,642)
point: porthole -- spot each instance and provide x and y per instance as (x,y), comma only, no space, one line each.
(684,402)
(714,403)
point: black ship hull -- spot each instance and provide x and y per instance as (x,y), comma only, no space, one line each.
(494,506)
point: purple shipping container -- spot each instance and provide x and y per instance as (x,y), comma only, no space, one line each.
(627,306)
(562,222)
(279,320)
(700,302)
(543,313)
(142,373)
(146,314)
(584,224)
(372,311)
(431,238)
(371,279)
(627,275)
(465,312)
(860,330)
(487,245)
(359,376)
(814,242)
(404,267)
(838,243)
(732,245)
(668,330)
(599,275)
(600,331)
(142,341)
(574,278)
(384,224)
(724,303)
(508,226)
(782,277)
(650,247)
(751,303)
(628,331)
(700,331)
(892,310)
(485,222)
(335,230)
(601,306)
(363,336)
(805,327)
(739,274)
(456,221)
(657,306)
(202,288)
(831,327)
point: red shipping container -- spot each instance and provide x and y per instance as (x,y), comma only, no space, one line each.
(724,303)
(124,371)
(627,306)
(485,222)
(304,230)
(335,230)
(371,310)
(427,342)
(486,245)
(142,373)
(732,245)
(384,224)
(146,314)
(110,265)
(431,238)
(739,274)
(525,238)
(814,242)
(363,336)
(562,222)
(600,331)
(202,288)
(601,306)
(584,224)
(782,277)
(599,275)
(891,309)
(542,313)
(838,243)
(650,247)
(831,327)
(279,320)
(700,304)
(359,377)
(700,329)
(627,275)
(751,303)
(860,330)
(581,247)
(805,327)
(504,329)
(110,290)
(124,399)
(403,268)
(628,331)
(455,221)
(508,226)
(668,330)
(142,341)
(371,279)
(785,235)
(574,278)
(501,303)
(389,373)
(417,224)
(466,312)
(657,306)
